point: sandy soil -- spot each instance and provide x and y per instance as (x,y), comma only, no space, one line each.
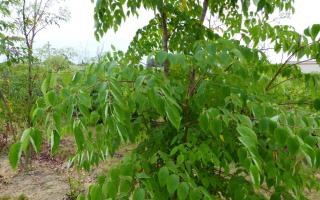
(43,182)
(49,177)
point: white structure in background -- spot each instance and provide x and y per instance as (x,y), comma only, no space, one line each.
(310,67)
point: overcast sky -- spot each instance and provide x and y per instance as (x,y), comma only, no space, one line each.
(78,32)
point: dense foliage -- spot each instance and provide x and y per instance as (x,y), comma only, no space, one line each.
(218,121)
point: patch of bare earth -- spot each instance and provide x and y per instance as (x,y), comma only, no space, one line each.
(49,178)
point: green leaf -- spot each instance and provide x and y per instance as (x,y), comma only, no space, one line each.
(76,78)
(79,137)
(183,190)
(315,31)
(36,140)
(25,139)
(245,120)
(139,194)
(111,189)
(81,197)
(173,114)
(95,192)
(116,93)
(256,2)
(55,141)
(216,126)
(37,114)
(195,194)
(172,183)
(161,57)
(125,187)
(281,135)
(254,174)
(204,121)
(248,136)
(84,99)
(51,98)
(15,154)
(293,145)
(163,176)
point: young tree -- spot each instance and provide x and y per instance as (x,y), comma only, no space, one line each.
(219,121)
(32,17)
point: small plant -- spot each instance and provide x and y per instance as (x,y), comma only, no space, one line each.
(75,188)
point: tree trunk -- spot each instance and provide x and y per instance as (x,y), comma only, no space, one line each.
(204,11)
(165,39)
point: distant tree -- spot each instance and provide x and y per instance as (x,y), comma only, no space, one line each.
(57,62)
(47,51)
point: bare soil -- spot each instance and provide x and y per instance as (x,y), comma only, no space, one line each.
(49,178)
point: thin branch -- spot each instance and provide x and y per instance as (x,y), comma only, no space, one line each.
(276,85)
(297,63)
(280,69)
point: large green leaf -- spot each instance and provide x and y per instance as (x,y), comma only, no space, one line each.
(25,139)
(111,189)
(172,183)
(281,135)
(15,154)
(183,191)
(173,114)
(79,137)
(248,136)
(293,144)
(36,139)
(139,194)
(163,175)
(51,98)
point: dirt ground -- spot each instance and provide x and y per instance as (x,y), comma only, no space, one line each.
(49,178)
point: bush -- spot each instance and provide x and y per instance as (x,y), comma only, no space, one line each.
(57,63)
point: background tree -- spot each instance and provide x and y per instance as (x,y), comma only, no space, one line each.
(33,17)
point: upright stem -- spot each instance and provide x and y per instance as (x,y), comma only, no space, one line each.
(29,44)
(204,11)
(165,39)
(192,76)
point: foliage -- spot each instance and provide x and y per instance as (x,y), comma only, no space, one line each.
(223,123)
(57,63)
(13,84)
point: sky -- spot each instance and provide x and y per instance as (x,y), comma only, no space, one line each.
(78,32)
